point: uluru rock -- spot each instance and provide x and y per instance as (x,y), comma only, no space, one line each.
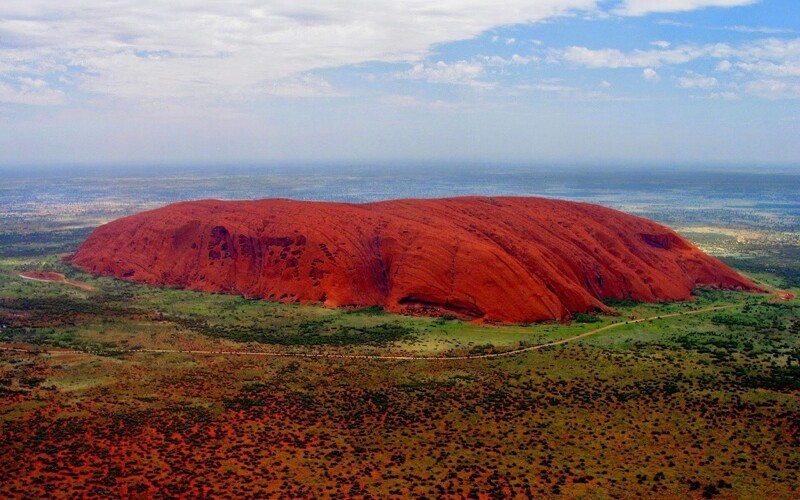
(498,259)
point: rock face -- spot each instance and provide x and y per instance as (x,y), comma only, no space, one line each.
(498,259)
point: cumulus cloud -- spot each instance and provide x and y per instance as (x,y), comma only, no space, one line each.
(642,7)
(772,65)
(724,66)
(781,70)
(613,58)
(778,51)
(455,73)
(695,81)
(774,89)
(650,75)
(499,61)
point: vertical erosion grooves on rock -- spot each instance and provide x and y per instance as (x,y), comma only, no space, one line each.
(497,259)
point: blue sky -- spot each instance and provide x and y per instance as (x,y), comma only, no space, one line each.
(560,81)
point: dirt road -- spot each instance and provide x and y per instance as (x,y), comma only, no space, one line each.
(49,277)
(368,356)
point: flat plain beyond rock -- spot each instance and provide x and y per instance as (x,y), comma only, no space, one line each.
(497,259)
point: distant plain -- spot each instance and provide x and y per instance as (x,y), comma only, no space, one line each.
(699,405)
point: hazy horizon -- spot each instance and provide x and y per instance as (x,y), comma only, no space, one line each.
(382,166)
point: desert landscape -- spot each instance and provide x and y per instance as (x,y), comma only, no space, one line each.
(401,249)
(138,385)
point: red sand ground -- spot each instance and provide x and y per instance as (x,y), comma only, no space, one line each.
(498,259)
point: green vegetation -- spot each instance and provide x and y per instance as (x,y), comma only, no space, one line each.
(586,318)
(689,406)
(771,255)
(41,243)
(787,267)
(307,333)
(38,312)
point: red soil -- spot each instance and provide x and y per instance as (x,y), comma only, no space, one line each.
(54,277)
(499,259)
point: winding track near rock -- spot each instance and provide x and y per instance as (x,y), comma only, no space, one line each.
(49,277)
(384,357)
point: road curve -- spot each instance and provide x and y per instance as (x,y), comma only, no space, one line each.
(377,356)
(61,279)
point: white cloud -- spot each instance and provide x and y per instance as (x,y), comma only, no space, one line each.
(34,84)
(770,49)
(563,91)
(724,96)
(146,50)
(499,61)
(518,59)
(759,29)
(773,66)
(694,81)
(455,73)
(613,58)
(472,72)
(777,51)
(650,75)
(549,87)
(407,101)
(779,70)
(306,85)
(510,41)
(673,23)
(32,91)
(642,7)
(769,67)
(774,89)
(150,49)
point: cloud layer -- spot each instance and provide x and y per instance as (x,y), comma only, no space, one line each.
(641,7)
(203,80)
(150,49)
(768,68)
